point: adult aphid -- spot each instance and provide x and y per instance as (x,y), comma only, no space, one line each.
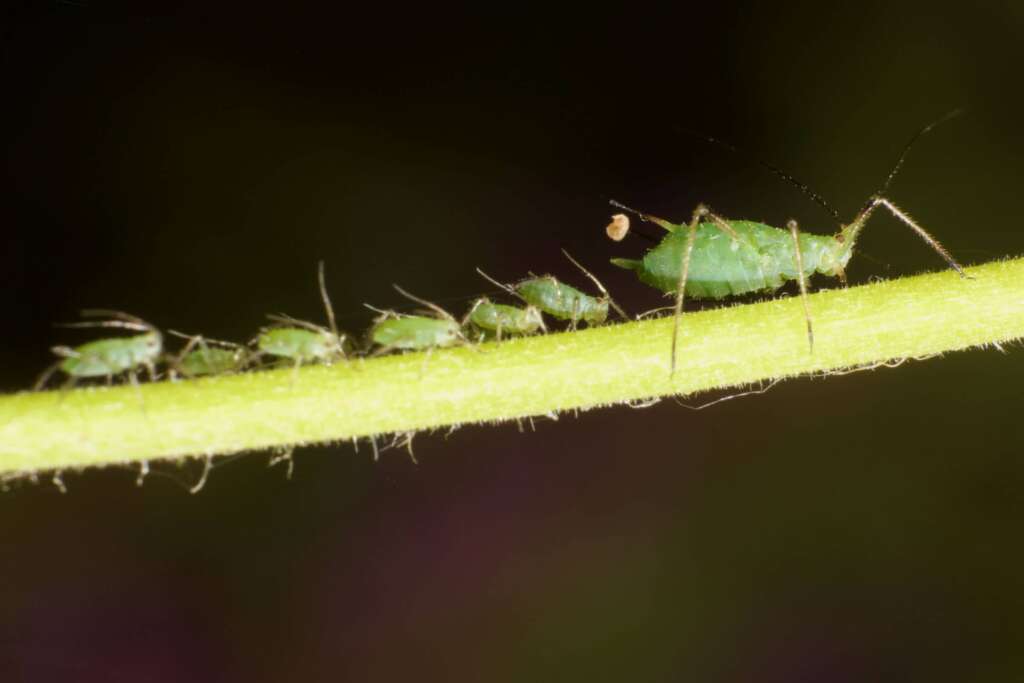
(560,300)
(404,332)
(201,357)
(713,257)
(491,320)
(300,341)
(108,357)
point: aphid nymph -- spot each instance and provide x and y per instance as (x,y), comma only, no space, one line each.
(560,300)
(202,357)
(300,341)
(108,357)
(489,319)
(398,331)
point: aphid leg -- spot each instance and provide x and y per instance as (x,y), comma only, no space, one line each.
(469,314)
(133,379)
(143,471)
(794,230)
(284,456)
(841,274)
(47,374)
(641,316)
(58,481)
(175,365)
(593,278)
(376,452)
(684,272)
(850,232)
(202,478)
(426,361)
(932,242)
(151,369)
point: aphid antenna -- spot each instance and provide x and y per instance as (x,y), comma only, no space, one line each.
(423,302)
(903,155)
(850,231)
(202,339)
(327,300)
(120,324)
(503,287)
(282,319)
(803,187)
(593,278)
(379,311)
(117,315)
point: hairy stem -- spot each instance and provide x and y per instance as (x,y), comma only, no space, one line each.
(720,348)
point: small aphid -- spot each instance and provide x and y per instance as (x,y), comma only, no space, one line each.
(714,257)
(618,228)
(398,331)
(496,320)
(201,357)
(108,357)
(301,341)
(560,300)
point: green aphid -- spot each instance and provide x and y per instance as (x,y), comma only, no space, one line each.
(108,357)
(203,357)
(489,319)
(300,341)
(713,257)
(560,300)
(398,331)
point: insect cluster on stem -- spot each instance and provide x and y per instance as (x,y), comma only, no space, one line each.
(292,342)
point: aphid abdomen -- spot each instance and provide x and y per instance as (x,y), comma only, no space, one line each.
(562,301)
(295,343)
(415,332)
(210,361)
(762,258)
(509,319)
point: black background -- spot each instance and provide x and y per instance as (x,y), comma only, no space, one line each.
(193,167)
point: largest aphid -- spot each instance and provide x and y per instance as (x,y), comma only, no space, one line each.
(713,257)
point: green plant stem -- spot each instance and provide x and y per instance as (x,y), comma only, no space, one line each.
(719,348)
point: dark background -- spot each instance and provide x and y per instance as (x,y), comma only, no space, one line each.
(192,168)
